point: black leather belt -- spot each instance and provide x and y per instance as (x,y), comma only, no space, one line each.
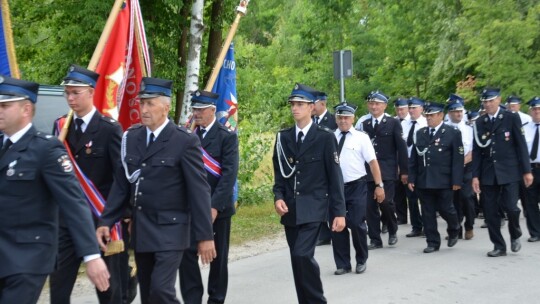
(535,165)
(356,181)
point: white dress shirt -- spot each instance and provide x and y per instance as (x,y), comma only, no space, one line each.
(530,131)
(86,119)
(356,152)
(466,135)
(407,124)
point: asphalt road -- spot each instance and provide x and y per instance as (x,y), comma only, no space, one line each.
(398,274)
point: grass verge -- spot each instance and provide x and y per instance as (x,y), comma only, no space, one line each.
(254,222)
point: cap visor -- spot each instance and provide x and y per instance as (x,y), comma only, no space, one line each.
(9,98)
(74,83)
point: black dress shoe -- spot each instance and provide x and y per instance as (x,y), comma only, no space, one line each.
(414,233)
(515,245)
(324,242)
(392,239)
(533,239)
(496,253)
(452,242)
(360,268)
(430,249)
(374,246)
(341,271)
(384,228)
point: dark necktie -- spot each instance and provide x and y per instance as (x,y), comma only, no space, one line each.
(341,141)
(534,149)
(316,118)
(431,133)
(150,141)
(5,147)
(376,125)
(401,119)
(492,122)
(411,133)
(299,140)
(201,132)
(79,132)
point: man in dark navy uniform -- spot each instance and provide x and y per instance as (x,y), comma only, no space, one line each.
(415,123)
(500,161)
(435,172)
(386,134)
(321,116)
(463,199)
(220,146)
(307,179)
(36,183)
(94,141)
(532,137)
(169,195)
(401,106)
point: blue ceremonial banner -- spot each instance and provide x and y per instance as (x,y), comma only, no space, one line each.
(227,104)
(225,86)
(8,61)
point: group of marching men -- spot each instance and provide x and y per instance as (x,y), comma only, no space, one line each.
(359,176)
(161,189)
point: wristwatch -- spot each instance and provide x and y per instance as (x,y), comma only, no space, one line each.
(380,185)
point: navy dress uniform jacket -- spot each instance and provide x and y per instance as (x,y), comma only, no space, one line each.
(317,180)
(30,196)
(388,140)
(506,158)
(172,191)
(443,166)
(98,150)
(222,145)
(329,121)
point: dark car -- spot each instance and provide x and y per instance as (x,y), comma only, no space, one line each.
(50,105)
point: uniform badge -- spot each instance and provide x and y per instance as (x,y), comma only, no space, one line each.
(500,116)
(437,142)
(290,159)
(66,164)
(384,120)
(10,171)
(336,158)
(461,150)
(486,119)
(88,147)
(507,136)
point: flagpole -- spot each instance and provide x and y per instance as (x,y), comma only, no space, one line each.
(241,10)
(96,56)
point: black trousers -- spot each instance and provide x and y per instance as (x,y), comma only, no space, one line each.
(414,210)
(495,197)
(157,272)
(533,198)
(355,201)
(62,280)
(302,240)
(400,202)
(191,284)
(440,200)
(21,288)
(373,215)
(463,201)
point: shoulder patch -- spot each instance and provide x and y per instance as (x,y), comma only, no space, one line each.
(324,128)
(109,119)
(44,135)
(184,129)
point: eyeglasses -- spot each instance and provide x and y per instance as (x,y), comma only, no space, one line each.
(74,93)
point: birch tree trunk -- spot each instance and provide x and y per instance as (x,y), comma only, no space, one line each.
(194,54)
